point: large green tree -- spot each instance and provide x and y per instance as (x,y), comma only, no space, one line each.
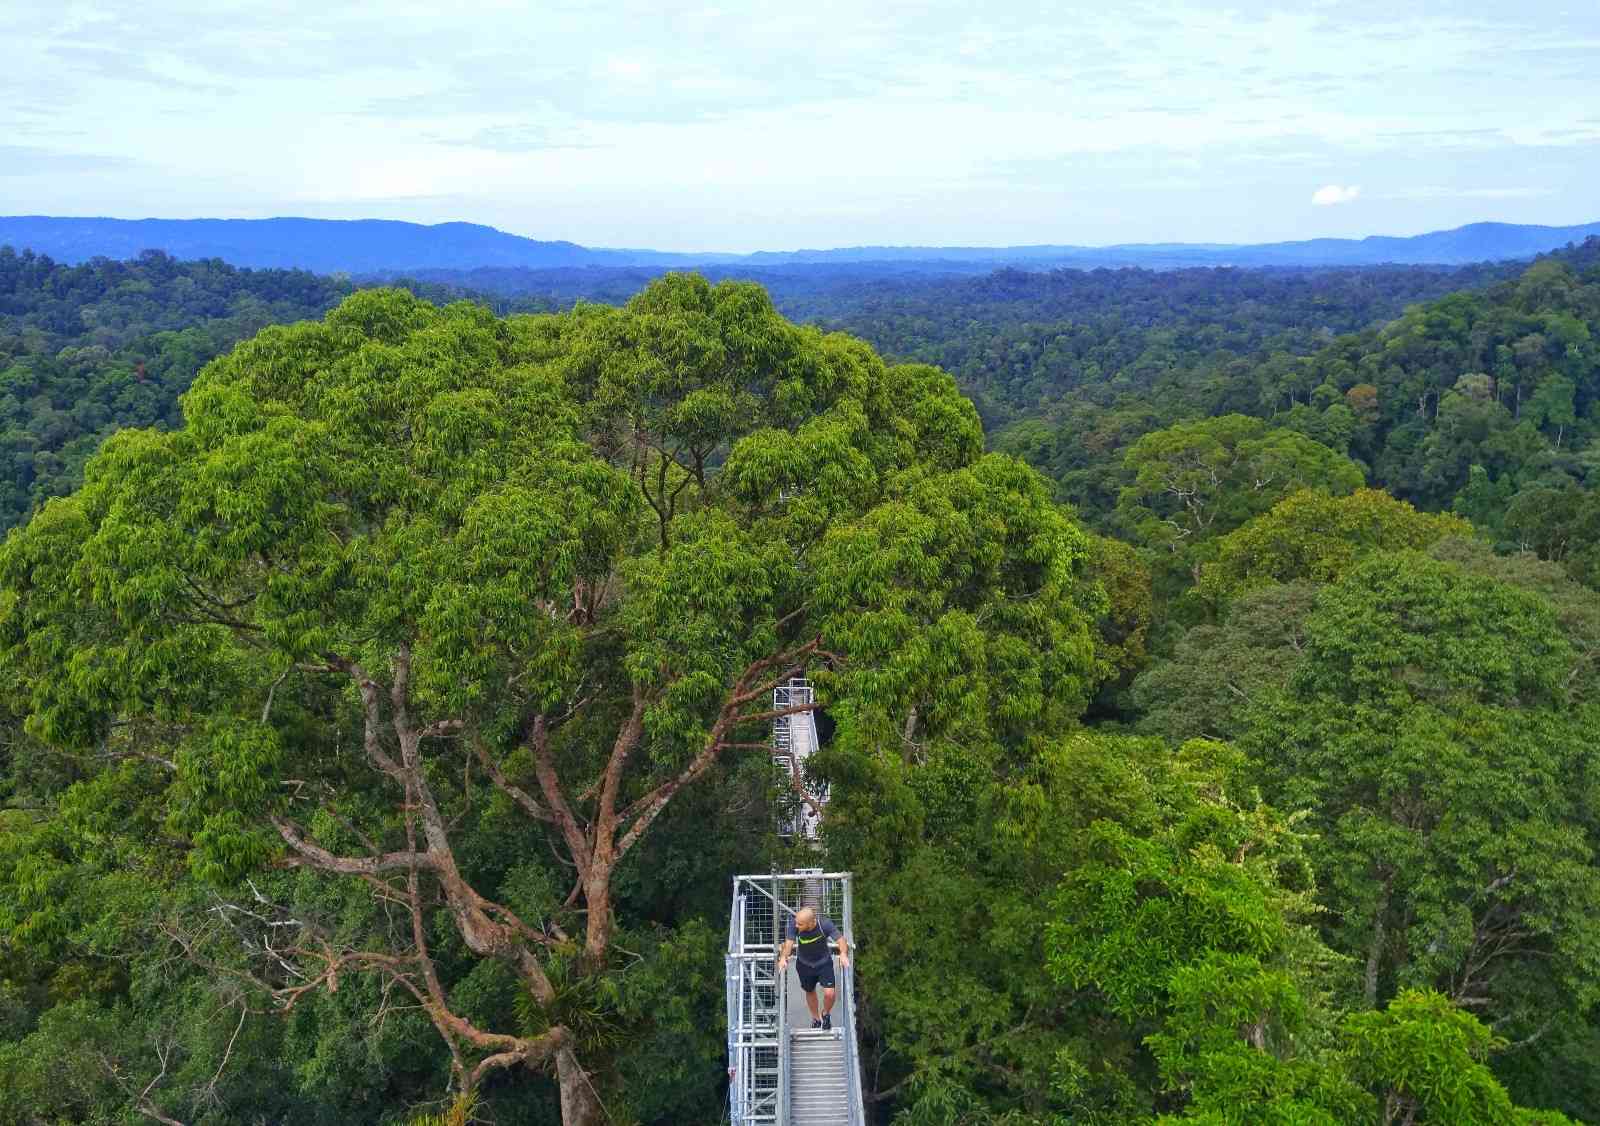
(1429,727)
(1311,536)
(409,569)
(1199,480)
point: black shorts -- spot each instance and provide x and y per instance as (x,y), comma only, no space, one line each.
(811,975)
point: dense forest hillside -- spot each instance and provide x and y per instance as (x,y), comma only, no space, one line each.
(380,724)
(1021,343)
(86,350)
(1466,402)
(923,308)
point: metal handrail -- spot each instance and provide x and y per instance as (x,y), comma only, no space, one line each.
(852,1069)
(780,982)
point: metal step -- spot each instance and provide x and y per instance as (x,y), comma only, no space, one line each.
(818,1092)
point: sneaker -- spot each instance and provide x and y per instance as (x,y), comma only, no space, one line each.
(826,1023)
(818,1024)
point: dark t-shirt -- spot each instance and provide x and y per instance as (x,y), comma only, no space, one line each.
(813,947)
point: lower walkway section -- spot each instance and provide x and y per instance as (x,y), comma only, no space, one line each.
(818,1085)
(781,1071)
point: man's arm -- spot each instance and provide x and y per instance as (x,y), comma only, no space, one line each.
(783,953)
(837,935)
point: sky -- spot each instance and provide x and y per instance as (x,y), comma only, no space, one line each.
(818,124)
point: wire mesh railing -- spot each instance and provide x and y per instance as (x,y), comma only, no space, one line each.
(760,1037)
(763,905)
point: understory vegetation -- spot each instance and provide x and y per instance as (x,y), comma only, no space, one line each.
(385,684)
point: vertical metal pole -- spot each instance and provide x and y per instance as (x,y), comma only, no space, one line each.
(849,909)
(852,1064)
(780,985)
(735,976)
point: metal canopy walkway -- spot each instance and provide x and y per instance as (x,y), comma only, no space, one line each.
(781,1072)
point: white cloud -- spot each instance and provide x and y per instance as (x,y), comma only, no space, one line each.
(624,68)
(1335,193)
(762,125)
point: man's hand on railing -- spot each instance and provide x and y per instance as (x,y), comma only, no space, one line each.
(783,963)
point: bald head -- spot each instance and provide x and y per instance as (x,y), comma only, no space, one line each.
(805,919)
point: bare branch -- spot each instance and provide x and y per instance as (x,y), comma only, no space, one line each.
(308,854)
(266,708)
(550,785)
(516,793)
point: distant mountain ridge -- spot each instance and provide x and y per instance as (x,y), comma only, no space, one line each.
(322,245)
(376,246)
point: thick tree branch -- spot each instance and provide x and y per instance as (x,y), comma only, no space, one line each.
(797,784)
(516,793)
(372,709)
(550,786)
(311,855)
(646,809)
(627,740)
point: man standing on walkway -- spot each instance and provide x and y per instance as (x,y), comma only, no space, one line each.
(814,935)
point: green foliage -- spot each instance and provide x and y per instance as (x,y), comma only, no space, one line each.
(1198,480)
(458,1113)
(1122,629)
(1561,525)
(90,349)
(1424,1058)
(406,545)
(669,1068)
(1576,607)
(1204,688)
(1030,346)
(1199,934)
(1142,908)
(965,603)
(1463,400)
(1379,903)
(957,857)
(1428,728)
(1313,537)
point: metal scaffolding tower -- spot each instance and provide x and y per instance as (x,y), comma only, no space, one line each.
(794,740)
(781,1071)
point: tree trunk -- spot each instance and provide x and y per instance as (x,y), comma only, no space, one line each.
(1375,951)
(580,1106)
(597,900)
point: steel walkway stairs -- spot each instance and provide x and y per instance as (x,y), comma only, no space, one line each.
(818,1081)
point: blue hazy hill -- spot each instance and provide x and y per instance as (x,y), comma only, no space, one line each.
(376,246)
(323,245)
